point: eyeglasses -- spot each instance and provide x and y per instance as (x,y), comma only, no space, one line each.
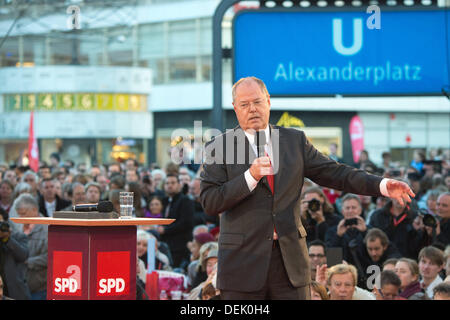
(312,256)
(246,104)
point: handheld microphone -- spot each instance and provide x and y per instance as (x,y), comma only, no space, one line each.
(102,206)
(261,142)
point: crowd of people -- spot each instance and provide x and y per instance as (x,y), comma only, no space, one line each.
(360,247)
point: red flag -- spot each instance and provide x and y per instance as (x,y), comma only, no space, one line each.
(33,150)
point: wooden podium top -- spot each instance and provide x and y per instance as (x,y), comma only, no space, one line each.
(93,222)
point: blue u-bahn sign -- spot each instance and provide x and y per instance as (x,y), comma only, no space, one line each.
(329,53)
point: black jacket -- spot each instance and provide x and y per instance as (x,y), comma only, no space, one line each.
(178,233)
(60,205)
(317,231)
(404,236)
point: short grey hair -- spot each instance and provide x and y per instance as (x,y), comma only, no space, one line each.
(30,173)
(161,172)
(22,187)
(255,79)
(27,201)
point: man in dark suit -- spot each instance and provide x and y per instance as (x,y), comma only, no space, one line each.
(49,201)
(262,247)
(177,234)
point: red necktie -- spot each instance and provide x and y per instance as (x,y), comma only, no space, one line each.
(270,181)
(270,177)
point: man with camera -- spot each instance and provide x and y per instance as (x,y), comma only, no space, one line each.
(352,227)
(13,254)
(317,214)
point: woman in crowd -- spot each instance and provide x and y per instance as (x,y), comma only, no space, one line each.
(155,208)
(408,272)
(318,291)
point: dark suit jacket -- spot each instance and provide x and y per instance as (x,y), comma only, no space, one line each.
(60,205)
(178,233)
(249,218)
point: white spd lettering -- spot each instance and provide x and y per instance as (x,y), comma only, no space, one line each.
(66,285)
(107,285)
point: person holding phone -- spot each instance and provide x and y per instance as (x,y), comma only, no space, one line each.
(351,229)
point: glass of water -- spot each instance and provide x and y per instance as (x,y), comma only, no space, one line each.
(126,205)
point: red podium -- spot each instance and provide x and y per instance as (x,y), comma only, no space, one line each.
(92,259)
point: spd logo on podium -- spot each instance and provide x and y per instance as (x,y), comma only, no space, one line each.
(113,273)
(67,273)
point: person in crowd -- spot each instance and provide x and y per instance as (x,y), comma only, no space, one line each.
(78,196)
(210,266)
(131,164)
(199,274)
(364,161)
(375,250)
(396,220)
(93,192)
(194,246)
(131,175)
(114,168)
(350,230)
(114,197)
(442,291)
(179,207)
(447,263)
(161,260)
(332,152)
(199,214)
(49,201)
(408,272)
(318,291)
(155,207)
(431,262)
(417,162)
(317,214)
(6,195)
(430,204)
(117,181)
(13,254)
(37,234)
(318,256)
(341,283)
(389,264)
(103,182)
(443,226)
(387,161)
(390,286)
(158,177)
(32,179)
(44,172)
(138,201)
(344,287)
(11,176)
(55,160)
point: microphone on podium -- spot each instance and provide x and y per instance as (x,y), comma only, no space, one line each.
(261,142)
(102,206)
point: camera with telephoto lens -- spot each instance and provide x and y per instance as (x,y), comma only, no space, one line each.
(314,205)
(4,226)
(428,219)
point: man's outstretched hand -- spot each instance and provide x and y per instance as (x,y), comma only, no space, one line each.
(399,191)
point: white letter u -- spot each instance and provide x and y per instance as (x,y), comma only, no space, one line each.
(357,37)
